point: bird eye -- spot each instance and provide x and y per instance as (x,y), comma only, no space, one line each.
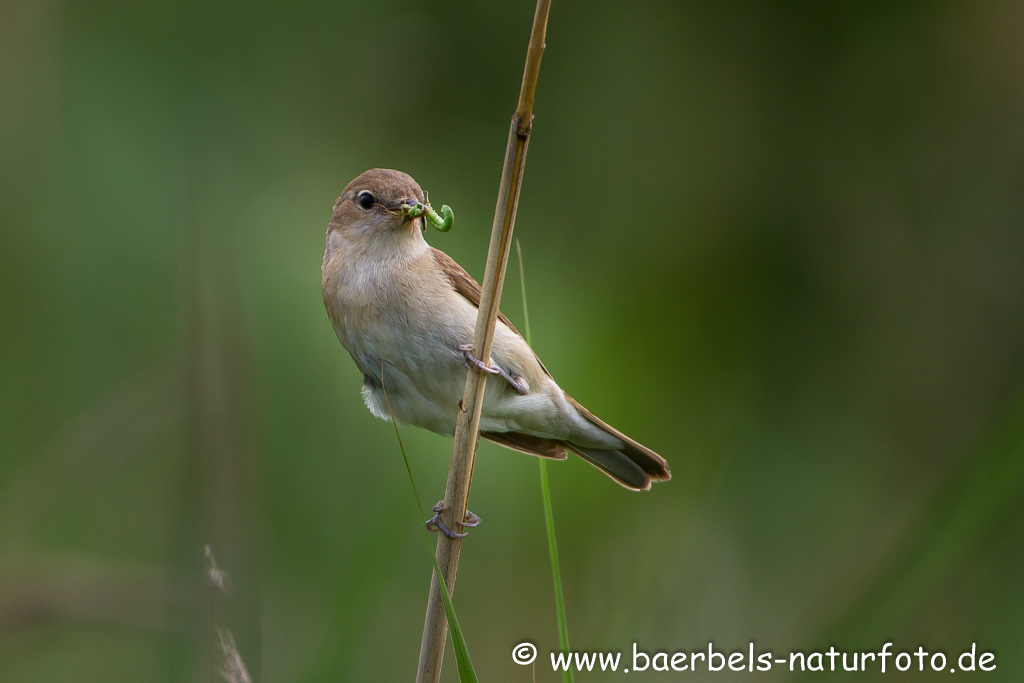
(366,199)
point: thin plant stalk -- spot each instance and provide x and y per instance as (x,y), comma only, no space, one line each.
(556,573)
(549,517)
(467,425)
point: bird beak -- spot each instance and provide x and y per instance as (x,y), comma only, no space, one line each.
(404,205)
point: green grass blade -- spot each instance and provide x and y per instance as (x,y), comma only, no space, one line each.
(549,518)
(466,672)
(556,573)
(522,289)
(465,666)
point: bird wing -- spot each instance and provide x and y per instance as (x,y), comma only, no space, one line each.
(470,289)
(529,444)
(634,466)
(463,283)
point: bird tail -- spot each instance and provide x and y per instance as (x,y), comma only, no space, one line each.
(625,466)
(634,466)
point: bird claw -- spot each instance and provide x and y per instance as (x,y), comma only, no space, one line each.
(517,383)
(472,361)
(471,520)
(435,523)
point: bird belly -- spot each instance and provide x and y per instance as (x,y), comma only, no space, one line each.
(421,375)
(410,360)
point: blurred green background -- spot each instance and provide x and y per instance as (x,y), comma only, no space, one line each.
(780,243)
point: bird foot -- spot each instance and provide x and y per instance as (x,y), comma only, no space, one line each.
(435,523)
(474,362)
(517,383)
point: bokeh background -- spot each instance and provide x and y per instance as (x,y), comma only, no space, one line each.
(780,243)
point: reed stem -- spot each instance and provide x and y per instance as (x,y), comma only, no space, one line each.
(467,427)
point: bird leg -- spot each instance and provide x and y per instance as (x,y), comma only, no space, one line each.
(435,523)
(517,383)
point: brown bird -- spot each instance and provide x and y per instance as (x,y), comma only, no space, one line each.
(406,313)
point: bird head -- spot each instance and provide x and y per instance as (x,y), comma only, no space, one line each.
(370,208)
